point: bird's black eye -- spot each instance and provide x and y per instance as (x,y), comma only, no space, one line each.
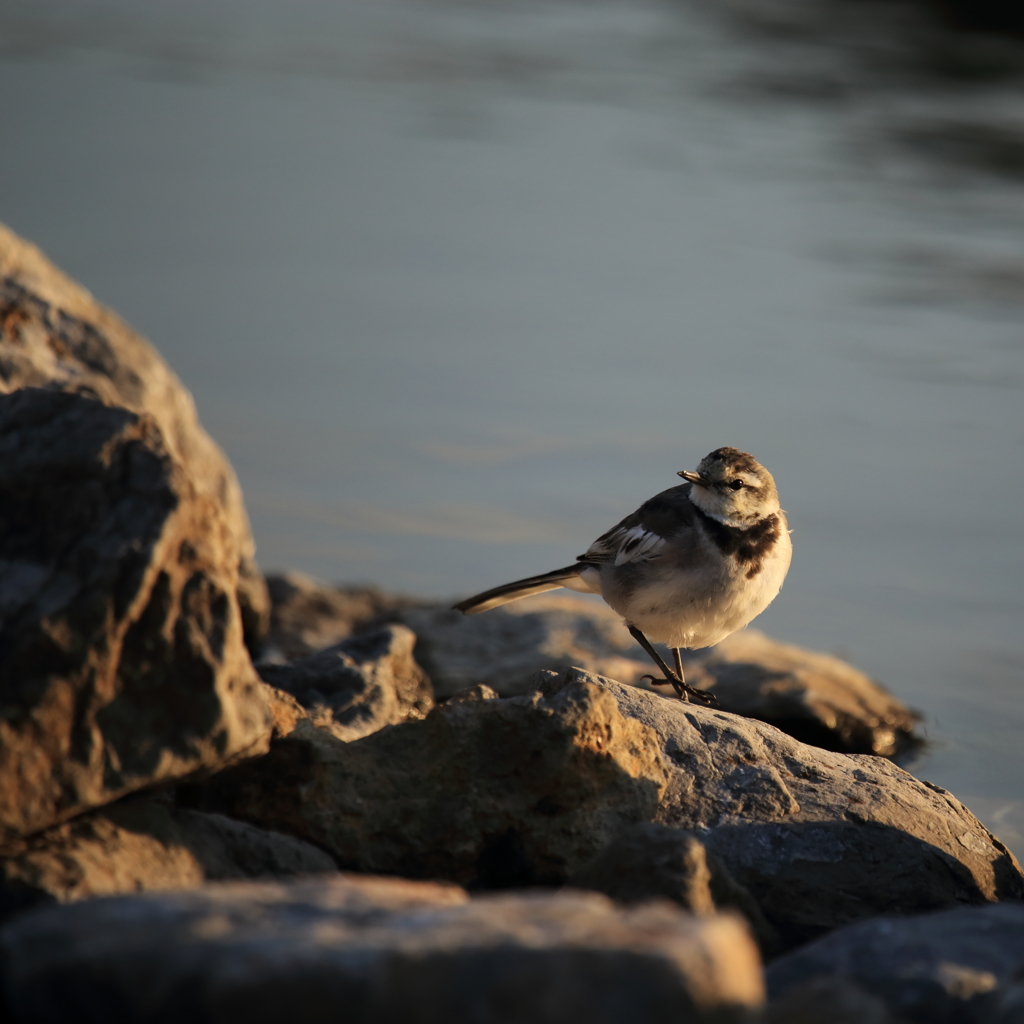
(735,484)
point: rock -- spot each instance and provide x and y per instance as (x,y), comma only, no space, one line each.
(546,780)
(650,861)
(358,686)
(814,697)
(479,692)
(819,839)
(142,843)
(482,792)
(53,334)
(122,662)
(375,949)
(504,648)
(1007,1004)
(308,615)
(933,968)
(831,1000)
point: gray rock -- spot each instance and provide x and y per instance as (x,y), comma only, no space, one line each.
(820,839)
(814,697)
(506,646)
(142,843)
(1007,1004)
(650,861)
(831,1000)
(53,334)
(308,615)
(122,662)
(358,686)
(482,792)
(375,950)
(544,781)
(934,969)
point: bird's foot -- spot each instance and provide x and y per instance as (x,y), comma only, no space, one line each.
(684,691)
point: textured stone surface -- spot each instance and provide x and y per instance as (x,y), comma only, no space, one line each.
(506,646)
(483,792)
(122,660)
(820,839)
(54,334)
(939,968)
(376,950)
(650,861)
(526,789)
(815,697)
(308,615)
(144,843)
(358,686)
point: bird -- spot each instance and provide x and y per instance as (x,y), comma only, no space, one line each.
(690,566)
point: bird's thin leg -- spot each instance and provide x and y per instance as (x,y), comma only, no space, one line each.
(704,695)
(678,656)
(677,684)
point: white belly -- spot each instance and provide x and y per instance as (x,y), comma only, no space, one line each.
(702,607)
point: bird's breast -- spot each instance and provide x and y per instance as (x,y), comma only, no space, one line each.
(697,596)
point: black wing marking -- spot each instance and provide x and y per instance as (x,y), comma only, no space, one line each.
(642,536)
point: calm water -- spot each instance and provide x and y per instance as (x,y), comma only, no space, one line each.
(459,285)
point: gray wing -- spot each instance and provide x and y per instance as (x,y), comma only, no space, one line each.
(643,535)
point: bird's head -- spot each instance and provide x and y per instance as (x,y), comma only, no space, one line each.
(733,487)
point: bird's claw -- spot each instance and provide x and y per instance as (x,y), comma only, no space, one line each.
(682,688)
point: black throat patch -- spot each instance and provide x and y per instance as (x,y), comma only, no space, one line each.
(750,546)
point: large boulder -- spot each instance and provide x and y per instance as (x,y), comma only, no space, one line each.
(122,660)
(522,790)
(483,792)
(374,949)
(815,697)
(359,685)
(54,334)
(142,843)
(941,968)
(820,839)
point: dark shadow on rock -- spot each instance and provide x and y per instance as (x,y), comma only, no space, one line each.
(502,863)
(809,878)
(940,968)
(650,861)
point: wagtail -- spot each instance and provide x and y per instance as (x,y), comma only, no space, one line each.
(687,568)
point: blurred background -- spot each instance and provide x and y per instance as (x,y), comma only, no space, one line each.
(459,284)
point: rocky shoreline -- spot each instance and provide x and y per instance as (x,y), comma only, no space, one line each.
(225,797)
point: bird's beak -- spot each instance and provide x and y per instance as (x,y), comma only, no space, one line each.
(694,478)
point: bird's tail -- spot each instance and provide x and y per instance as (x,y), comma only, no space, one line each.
(520,588)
